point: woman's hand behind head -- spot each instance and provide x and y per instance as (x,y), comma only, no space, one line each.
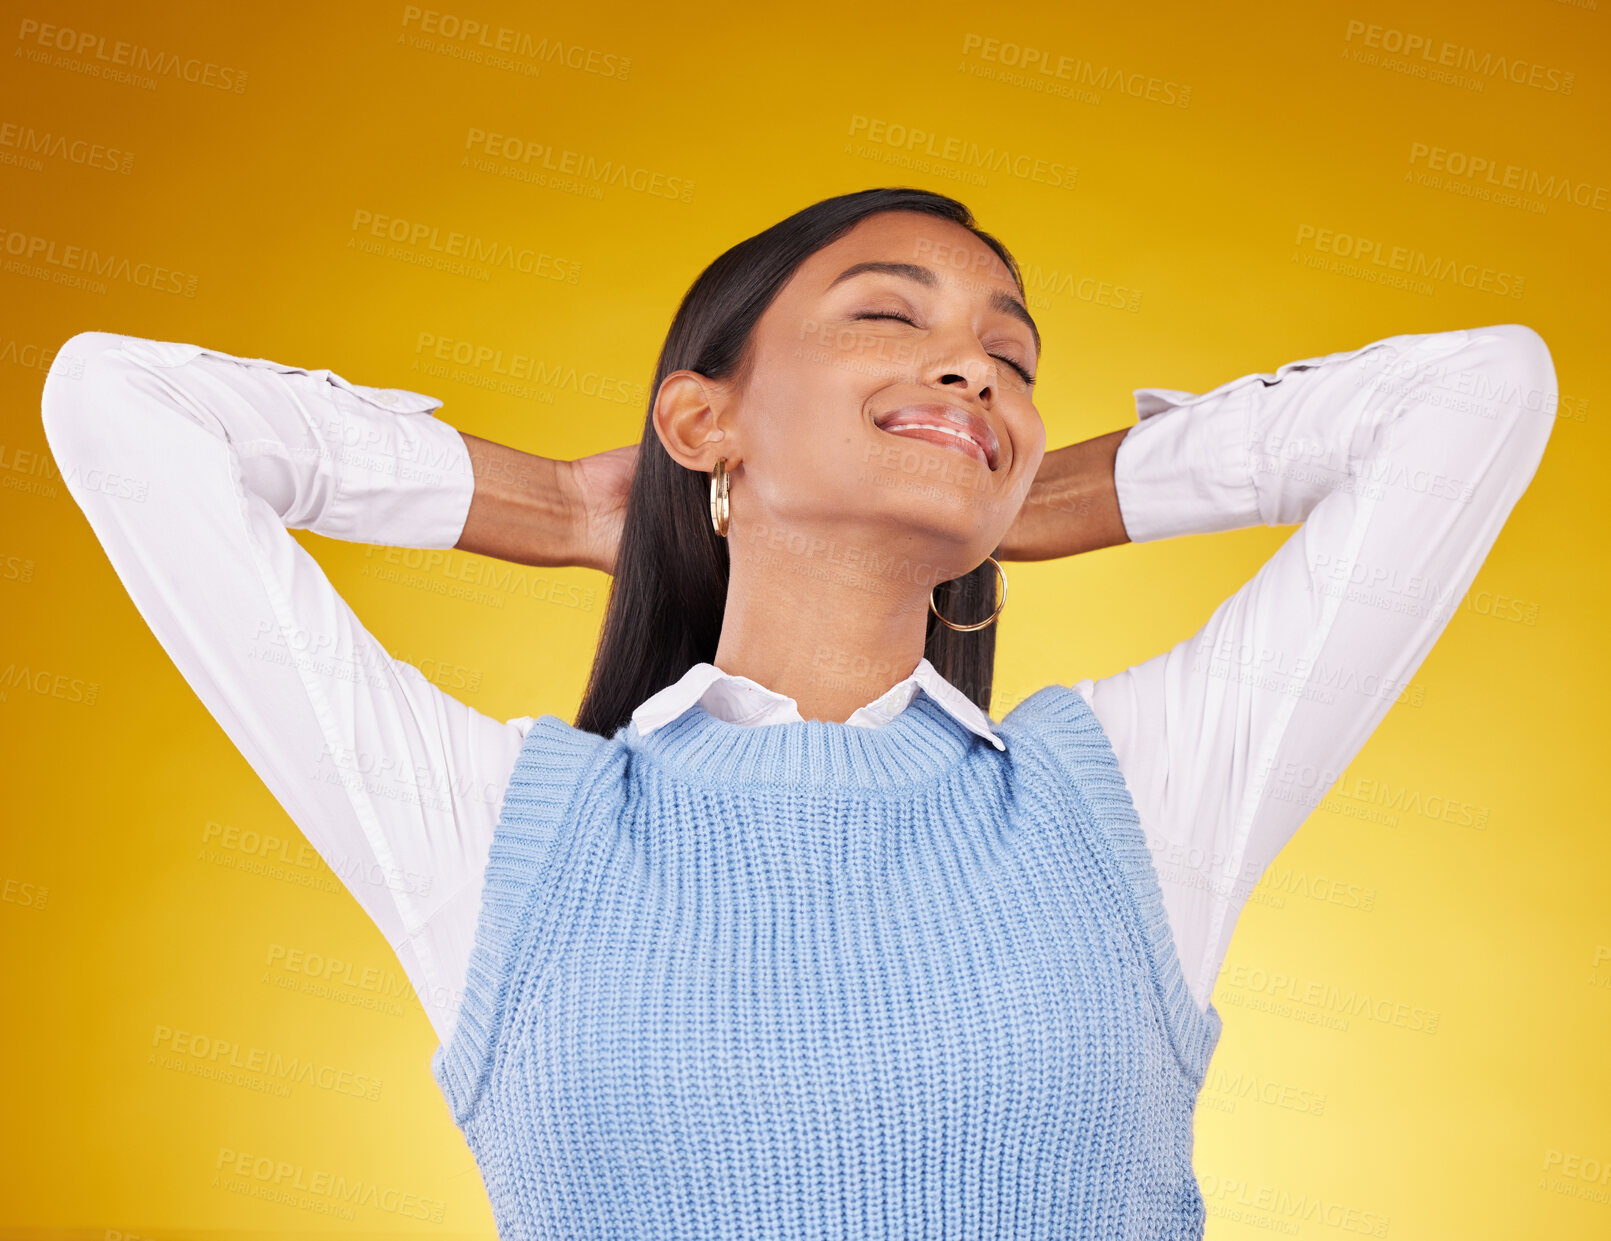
(601,483)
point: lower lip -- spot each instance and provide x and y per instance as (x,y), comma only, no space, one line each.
(939,438)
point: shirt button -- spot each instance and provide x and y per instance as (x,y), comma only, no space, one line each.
(388,398)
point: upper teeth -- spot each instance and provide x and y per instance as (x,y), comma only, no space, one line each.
(934,426)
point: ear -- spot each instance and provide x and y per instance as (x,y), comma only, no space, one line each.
(689,418)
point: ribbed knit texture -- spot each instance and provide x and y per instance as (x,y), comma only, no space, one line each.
(811,980)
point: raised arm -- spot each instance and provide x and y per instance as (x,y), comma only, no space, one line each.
(395,783)
(1402,460)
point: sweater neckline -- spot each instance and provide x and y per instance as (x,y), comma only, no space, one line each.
(921,744)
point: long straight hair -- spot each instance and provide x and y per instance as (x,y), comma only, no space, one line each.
(669,587)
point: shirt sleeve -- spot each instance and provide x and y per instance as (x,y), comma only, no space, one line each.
(1402,460)
(395,783)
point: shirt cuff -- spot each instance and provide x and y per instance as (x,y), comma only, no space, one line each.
(1185,467)
(411,489)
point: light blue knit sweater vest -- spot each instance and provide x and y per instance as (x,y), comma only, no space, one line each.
(812,980)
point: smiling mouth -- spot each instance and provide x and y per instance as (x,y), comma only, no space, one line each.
(945,426)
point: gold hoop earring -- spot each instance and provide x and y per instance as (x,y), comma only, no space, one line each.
(1002,573)
(719,512)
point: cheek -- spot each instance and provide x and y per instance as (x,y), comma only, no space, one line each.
(1030,434)
(796,436)
(809,419)
(806,451)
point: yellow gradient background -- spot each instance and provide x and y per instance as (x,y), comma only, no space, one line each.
(1174,261)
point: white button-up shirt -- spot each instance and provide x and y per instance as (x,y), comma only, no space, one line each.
(740,700)
(1401,459)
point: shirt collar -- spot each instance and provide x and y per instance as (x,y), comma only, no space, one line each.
(739,700)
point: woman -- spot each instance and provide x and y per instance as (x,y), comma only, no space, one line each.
(787,936)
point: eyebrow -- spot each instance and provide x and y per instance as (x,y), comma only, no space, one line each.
(1003,302)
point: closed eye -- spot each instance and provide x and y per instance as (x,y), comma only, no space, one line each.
(1022,373)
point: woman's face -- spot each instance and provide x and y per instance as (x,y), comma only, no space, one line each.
(889,403)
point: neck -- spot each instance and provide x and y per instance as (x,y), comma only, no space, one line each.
(833,629)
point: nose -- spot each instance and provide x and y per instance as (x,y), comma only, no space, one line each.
(952,377)
(965,366)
